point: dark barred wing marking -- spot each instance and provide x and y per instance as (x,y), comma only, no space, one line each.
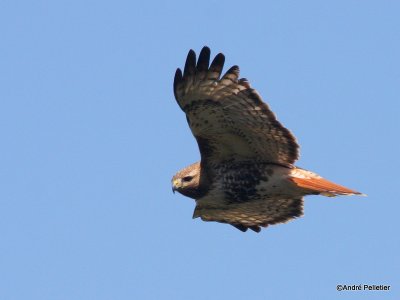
(227,117)
(251,214)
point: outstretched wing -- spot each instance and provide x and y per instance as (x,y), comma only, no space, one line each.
(251,214)
(227,117)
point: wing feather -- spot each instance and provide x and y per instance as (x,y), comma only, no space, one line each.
(227,117)
(204,60)
(251,214)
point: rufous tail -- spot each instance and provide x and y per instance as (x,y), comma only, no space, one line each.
(317,184)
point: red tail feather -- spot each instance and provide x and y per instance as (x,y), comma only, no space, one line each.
(323,186)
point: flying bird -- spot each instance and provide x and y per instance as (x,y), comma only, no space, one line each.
(246,176)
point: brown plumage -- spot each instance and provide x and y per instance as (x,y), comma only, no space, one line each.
(246,175)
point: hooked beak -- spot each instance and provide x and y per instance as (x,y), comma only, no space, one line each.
(175,185)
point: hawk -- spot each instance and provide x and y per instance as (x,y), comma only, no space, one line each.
(246,175)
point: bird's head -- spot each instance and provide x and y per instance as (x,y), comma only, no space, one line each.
(187,180)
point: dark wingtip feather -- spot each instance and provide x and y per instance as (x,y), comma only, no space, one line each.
(206,48)
(255,228)
(218,63)
(177,79)
(244,228)
(234,70)
(204,59)
(240,227)
(244,82)
(190,65)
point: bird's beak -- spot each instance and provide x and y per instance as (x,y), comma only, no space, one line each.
(175,185)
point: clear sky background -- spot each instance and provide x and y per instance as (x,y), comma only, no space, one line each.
(91,135)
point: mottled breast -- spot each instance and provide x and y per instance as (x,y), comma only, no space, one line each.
(241,182)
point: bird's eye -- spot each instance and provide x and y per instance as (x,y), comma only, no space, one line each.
(187,178)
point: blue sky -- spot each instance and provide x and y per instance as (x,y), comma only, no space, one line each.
(91,136)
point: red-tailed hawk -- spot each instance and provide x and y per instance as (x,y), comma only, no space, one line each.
(246,175)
